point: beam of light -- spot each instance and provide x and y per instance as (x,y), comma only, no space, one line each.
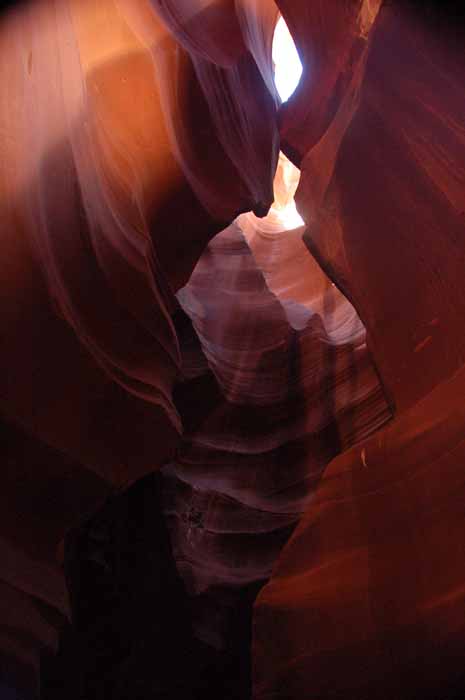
(288,67)
(290,217)
(286,183)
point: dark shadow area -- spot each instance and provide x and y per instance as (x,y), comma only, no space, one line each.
(131,635)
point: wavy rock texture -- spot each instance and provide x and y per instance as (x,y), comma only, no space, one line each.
(286,385)
(366,600)
(107,201)
(382,191)
(131,133)
(371,583)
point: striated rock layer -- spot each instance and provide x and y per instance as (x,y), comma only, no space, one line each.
(119,162)
(383,183)
(366,600)
(371,583)
(131,133)
(285,385)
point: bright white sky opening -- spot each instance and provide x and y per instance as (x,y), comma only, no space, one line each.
(290,217)
(287,72)
(288,67)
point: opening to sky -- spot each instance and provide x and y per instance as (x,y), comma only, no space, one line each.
(288,67)
(287,72)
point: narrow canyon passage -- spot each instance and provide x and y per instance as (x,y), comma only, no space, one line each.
(231,305)
(294,386)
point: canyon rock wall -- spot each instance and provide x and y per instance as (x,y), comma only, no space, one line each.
(134,132)
(283,387)
(116,171)
(367,598)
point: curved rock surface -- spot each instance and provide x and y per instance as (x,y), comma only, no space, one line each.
(131,133)
(107,202)
(290,385)
(366,600)
(371,583)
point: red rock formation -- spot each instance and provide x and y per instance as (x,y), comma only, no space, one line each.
(131,133)
(367,598)
(104,124)
(383,189)
(294,386)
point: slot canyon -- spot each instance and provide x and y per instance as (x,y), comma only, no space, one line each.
(233,351)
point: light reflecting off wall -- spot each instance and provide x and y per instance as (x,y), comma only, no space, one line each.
(288,67)
(286,182)
(290,217)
